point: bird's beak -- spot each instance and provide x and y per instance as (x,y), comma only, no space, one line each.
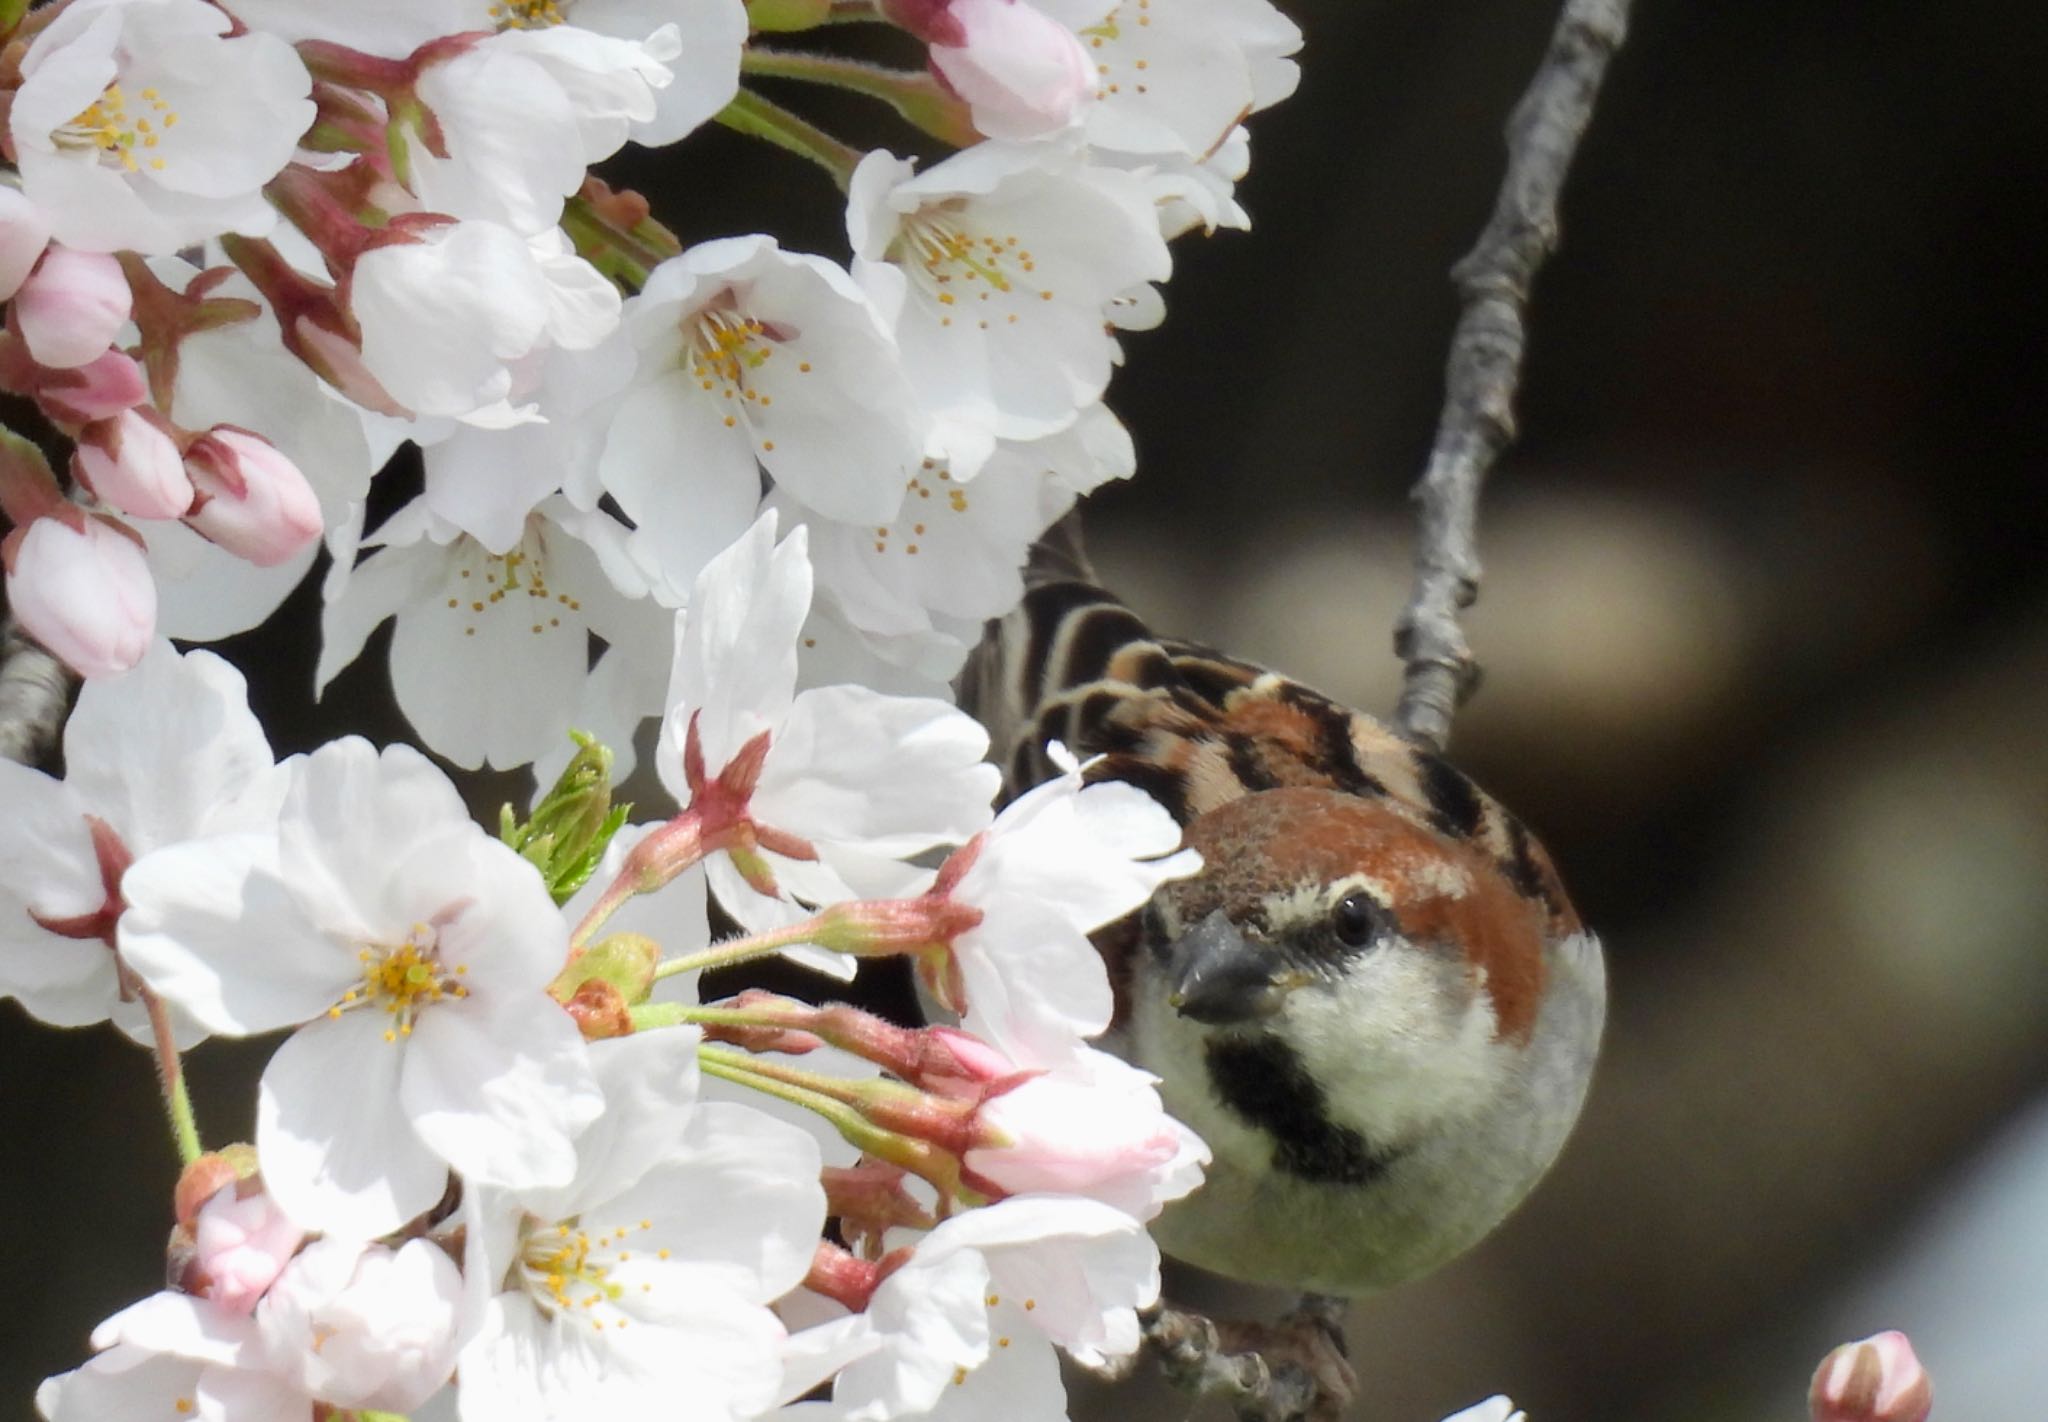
(1220,977)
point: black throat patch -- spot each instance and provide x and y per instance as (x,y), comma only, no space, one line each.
(1263,1082)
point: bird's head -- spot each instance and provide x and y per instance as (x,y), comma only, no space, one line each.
(1392,974)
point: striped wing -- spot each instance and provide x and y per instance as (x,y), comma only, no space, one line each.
(1197,729)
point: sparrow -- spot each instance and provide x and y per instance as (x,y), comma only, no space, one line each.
(1375,1001)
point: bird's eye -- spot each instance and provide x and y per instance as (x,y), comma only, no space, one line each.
(1356,919)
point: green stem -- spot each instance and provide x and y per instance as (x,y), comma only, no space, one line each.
(618,254)
(171,1075)
(913,94)
(751,114)
(741,950)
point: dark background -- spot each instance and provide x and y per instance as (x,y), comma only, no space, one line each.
(1766,633)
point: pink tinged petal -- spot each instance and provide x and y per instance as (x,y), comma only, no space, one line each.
(1023,73)
(128,462)
(240,1245)
(72,306)
(337,1151)
(365,1326)
(891,774)
(211,927)
(98,390)
(253,501)
(87,595)
(172,751)
(24,232)
(501,1097)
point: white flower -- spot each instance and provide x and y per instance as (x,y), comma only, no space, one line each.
(993,1288)
(754,358)
(392,29)
(172,1356)
(1001,265)
(416,948)
(953,557)
(522,113)
(490,659)
(865,779)
(139,126)
(364,1325)
(167,753)
(445,318)
(1060,861)
(1176,76)
(641,1287)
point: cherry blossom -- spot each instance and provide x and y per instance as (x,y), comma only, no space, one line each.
(130,463)
(1000,265)
(490,658)
(364,1325)
(415,949)
(80,586)
(863,778)
(1176,76)
(146,127)
(24,233)
(753,358)
(1023,74)
(165,754)
(646,1278)
(241,1242)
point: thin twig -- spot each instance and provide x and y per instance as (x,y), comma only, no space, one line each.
(1485,367)
(35,689)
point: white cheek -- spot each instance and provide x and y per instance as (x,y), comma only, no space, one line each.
(1400,1044)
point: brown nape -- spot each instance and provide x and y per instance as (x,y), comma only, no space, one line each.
(1445,894)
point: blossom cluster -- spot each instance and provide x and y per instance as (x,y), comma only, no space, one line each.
(252,247)
(506,1157)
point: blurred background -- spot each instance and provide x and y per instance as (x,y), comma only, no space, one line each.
(1765,630)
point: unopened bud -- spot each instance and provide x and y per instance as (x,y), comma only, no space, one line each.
(129,461)
(1878,1379)
(252,500)
(24,233)
(208,1175)
(241,1242)
(83,589)
(623,961)
(72,306)
(98,390)
(1023,74)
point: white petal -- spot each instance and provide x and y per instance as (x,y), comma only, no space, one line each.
(337,1152)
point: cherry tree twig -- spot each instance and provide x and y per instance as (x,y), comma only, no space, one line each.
(1485,367)
(35,689)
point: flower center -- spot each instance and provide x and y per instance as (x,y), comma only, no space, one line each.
(403,979)
(568,1271)
(529,14)
(955,264)
(511,583)
(107,126)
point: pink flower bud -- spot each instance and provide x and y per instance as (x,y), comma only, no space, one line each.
(83,590)
(253,501)
(98,390)
(1875,1380)
(1068,1137)
(1023,74)
(24,233)
(128,461)
(72,306)
(241,1243)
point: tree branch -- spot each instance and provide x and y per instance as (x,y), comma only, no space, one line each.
(1485,367)
(35,689)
